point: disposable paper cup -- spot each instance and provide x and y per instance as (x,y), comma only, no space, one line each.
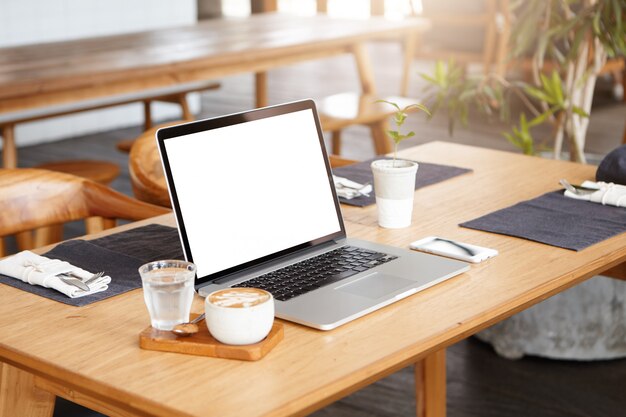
(394,186)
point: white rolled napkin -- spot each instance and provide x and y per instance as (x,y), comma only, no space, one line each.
(38,270)
(608,193)
(349,189)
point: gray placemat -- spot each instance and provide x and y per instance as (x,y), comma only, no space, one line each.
(555,220)
(120,255)
(427,174)
(149,243)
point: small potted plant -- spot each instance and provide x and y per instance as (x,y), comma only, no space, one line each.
(394,180)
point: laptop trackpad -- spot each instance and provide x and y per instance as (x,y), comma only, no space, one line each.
(375,286)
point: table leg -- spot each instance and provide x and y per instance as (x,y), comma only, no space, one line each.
(20,397)
(335,141)
(377,7)
(260,81)
(147,115)
(98,224)
(430,385)
(25,240)
(263,6)
(364,66)
(410,46)
(382,144)
(184,106)
(617,272)
(9,150)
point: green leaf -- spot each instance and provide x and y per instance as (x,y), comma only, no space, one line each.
(399,117)
(389,102)
(574,49)
(596,24)
(393,134)
(546,84)
(523,123)
(617,13)
(512,139)
(440,73)
(540,119)
(539,95)
(467,94)
(489,92)
(417,106)
(557,88)
(580,111)
(428,78)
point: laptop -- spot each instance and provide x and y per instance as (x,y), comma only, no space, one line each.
(256,206)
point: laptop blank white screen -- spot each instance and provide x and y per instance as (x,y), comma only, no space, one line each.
(251,189)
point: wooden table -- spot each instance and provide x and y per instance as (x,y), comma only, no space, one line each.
(36,76)
(90,355)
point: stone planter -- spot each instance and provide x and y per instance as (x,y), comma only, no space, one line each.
(586,322)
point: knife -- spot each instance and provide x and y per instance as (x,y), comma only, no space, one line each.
(74,281)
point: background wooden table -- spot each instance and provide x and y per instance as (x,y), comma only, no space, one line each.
(90,355)
(36,76)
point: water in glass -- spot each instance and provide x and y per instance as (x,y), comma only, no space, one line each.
(168,293)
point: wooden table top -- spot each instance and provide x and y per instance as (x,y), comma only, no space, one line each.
(158,58)
(94,349)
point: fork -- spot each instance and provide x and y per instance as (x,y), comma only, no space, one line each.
(359,191)
(88,280)
(578,190)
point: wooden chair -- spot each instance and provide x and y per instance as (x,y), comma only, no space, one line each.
(146,172)
(347,109)
(34,198)
(102,172)
(343,110)
(457,27)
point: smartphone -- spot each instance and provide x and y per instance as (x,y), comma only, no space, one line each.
(453,249)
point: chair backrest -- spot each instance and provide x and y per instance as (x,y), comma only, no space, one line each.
(36,198)
(470,31)
(146,171)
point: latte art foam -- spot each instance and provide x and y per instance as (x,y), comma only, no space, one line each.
(239,297)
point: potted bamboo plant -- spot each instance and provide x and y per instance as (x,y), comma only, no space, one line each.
(565,44)
(394,180)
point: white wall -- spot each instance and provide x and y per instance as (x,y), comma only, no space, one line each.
(25,22)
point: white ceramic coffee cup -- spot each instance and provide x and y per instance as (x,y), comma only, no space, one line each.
(239,316)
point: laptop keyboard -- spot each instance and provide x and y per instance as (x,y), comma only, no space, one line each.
(316,272)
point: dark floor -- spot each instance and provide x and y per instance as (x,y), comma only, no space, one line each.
(480,384)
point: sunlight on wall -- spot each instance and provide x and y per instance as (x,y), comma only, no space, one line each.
(397,9)
(235,8)
(355,9)
(298,7)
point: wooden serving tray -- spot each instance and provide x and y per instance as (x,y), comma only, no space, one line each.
(203,344)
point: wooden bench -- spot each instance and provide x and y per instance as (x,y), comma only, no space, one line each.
(173,94)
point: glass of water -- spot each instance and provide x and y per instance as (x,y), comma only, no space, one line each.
(168,291)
